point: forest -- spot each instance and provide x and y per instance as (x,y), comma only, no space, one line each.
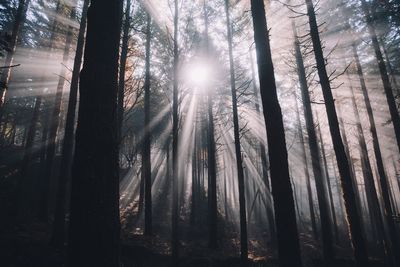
(200,133)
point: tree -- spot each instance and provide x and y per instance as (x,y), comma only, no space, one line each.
(212,173)
(353,218)
(94,223)
(383,72)
(285,215)
(175,123)
(58,234)
(326,225)
(146,156)
(6,73)
(238,153)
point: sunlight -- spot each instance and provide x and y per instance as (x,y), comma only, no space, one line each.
(198,74)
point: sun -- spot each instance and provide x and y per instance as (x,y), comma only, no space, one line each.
(198,73)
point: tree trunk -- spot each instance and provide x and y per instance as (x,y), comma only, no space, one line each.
(122,67)
(26,160)
(353,218)
(320,185)
(58,235)
(306,173)
(388,213)
(384,74)
(146,160)
(54,122)
(264,161)
(94,222)
(212,173)
(328,185)
(236,129)
(175,132)
(285,214)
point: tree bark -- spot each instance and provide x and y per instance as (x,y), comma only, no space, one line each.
(94,222)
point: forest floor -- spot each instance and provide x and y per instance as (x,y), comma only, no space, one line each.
(27,245)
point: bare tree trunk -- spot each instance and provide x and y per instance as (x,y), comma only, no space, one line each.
(384,74)
(326,225)
(94,230)
(328,185)
(370,190)
(264,161)
(353,218)
(54,122)
(306,173)
(175,132)
(285,214)
(388,212)
(146,160)
(239,161)
(58,235)
(26,160)
(212,173)
(122,67)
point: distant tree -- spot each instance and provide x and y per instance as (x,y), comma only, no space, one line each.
(238,153)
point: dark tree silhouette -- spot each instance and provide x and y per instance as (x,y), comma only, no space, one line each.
(94,223)
(282,193)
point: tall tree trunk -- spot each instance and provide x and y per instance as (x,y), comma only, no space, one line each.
(212,173)
(236,134)
(320,185)
(353,218)
(306,172)
(146,155)
(388,212)
(285,214)
(175,132)
(264,161)
(94,222)
(26,160)
(390,68)
(122,67)
(370,189)
(383,72)
(58,235)
(328,185)
(6,73)
(54,122)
